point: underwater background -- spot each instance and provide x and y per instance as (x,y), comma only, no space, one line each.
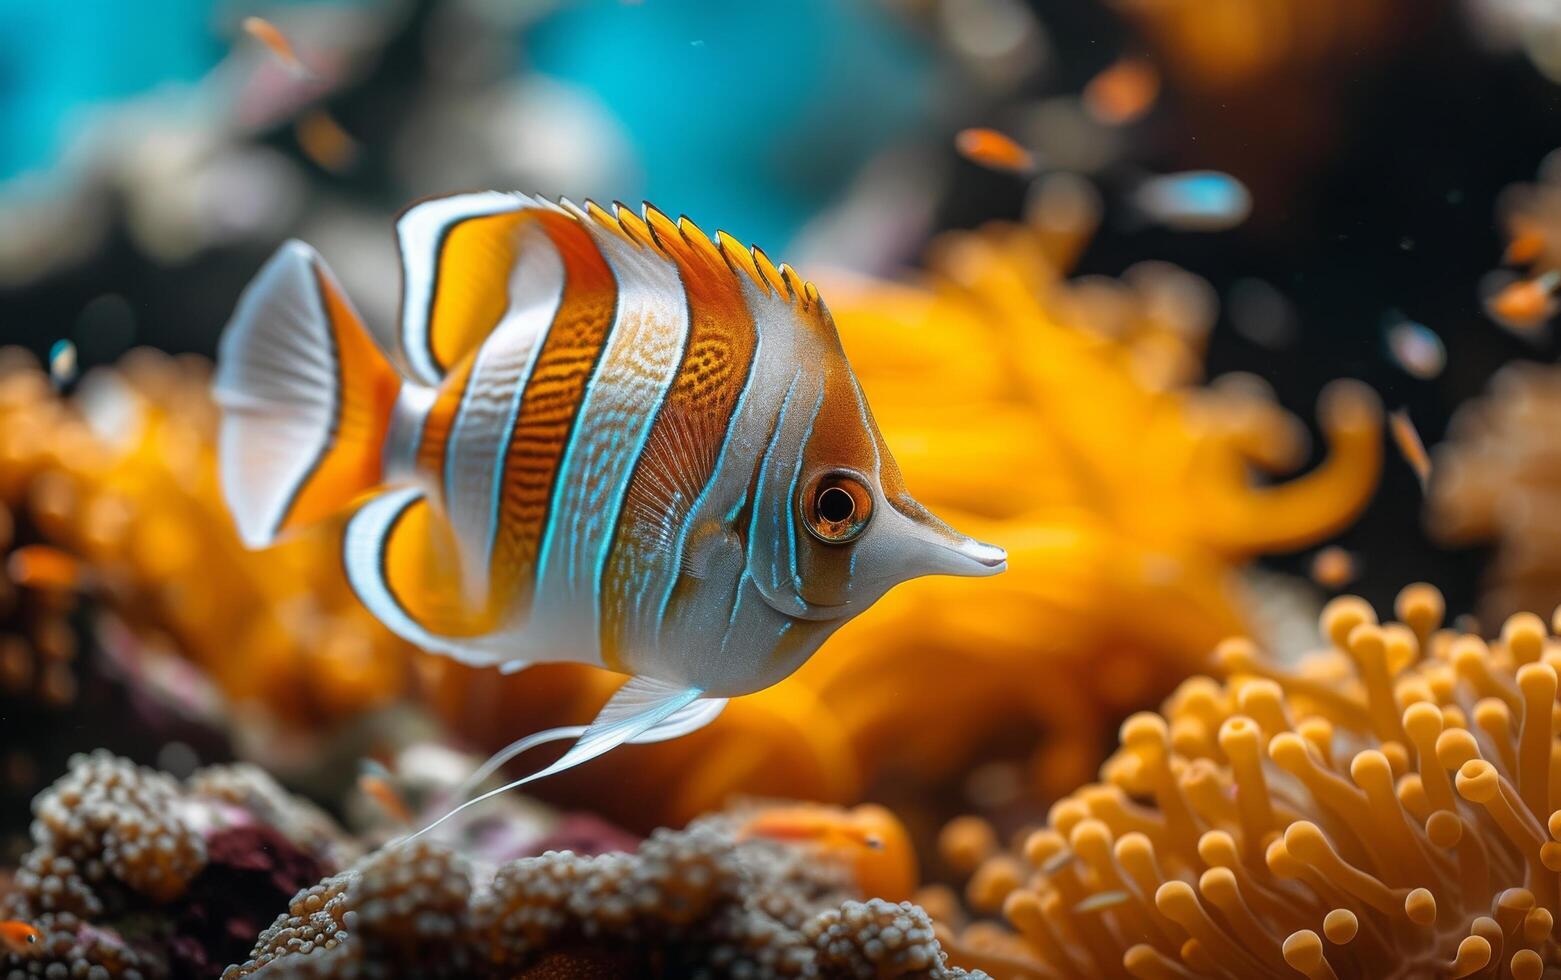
(1160,295)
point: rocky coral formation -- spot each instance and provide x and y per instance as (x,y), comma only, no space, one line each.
(695,902)
(1389,809)
(135,874)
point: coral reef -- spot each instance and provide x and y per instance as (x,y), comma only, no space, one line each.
(1147,505)
(694,902)
(1388,808)
(1495,481)
(132,873)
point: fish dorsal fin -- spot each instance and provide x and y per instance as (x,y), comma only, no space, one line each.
(457,257)
(401,560)
(641,711)
(458,254)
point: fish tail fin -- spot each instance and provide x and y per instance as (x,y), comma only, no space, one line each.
(642,711)
(307,398)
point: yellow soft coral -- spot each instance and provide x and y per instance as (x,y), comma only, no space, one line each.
(125,479)
(1496,481)
(1389,808)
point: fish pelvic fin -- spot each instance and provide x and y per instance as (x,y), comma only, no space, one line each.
(307,399)
(641,711)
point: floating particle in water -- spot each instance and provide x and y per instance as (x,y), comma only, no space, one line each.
(324,142)
(376,782)
(1262,314)
(994,150)
(272,37)
(62,362)
(1123,93)
(1416,347)
(1099,901)
(1527,244)
(1196,200)
(1410,446)
(1333,568)
(1522,305)
(40,566)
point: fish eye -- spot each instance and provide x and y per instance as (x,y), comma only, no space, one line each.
(32,937)
(836,507)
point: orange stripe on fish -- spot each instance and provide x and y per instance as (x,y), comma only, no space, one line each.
(471,293)
(550,403)
(684,442)
(440,420)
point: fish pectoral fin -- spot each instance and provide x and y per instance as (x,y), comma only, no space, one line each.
(641,711)
(634,710)
(690,718)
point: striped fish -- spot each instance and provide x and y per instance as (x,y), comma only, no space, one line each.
(601,437)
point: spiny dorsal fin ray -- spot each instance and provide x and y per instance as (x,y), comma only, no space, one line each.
(458,254)
(651,229)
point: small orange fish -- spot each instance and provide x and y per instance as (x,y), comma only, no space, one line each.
(1122,93)
(1525,303)
(868,838)
(1333,568)
(376,783)
(1526,246)
(1409,445)
(992,149)
(38,566)
(19,938)
(323,140)
(271,36)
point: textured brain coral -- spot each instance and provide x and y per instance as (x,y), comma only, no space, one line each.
(1389,808)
